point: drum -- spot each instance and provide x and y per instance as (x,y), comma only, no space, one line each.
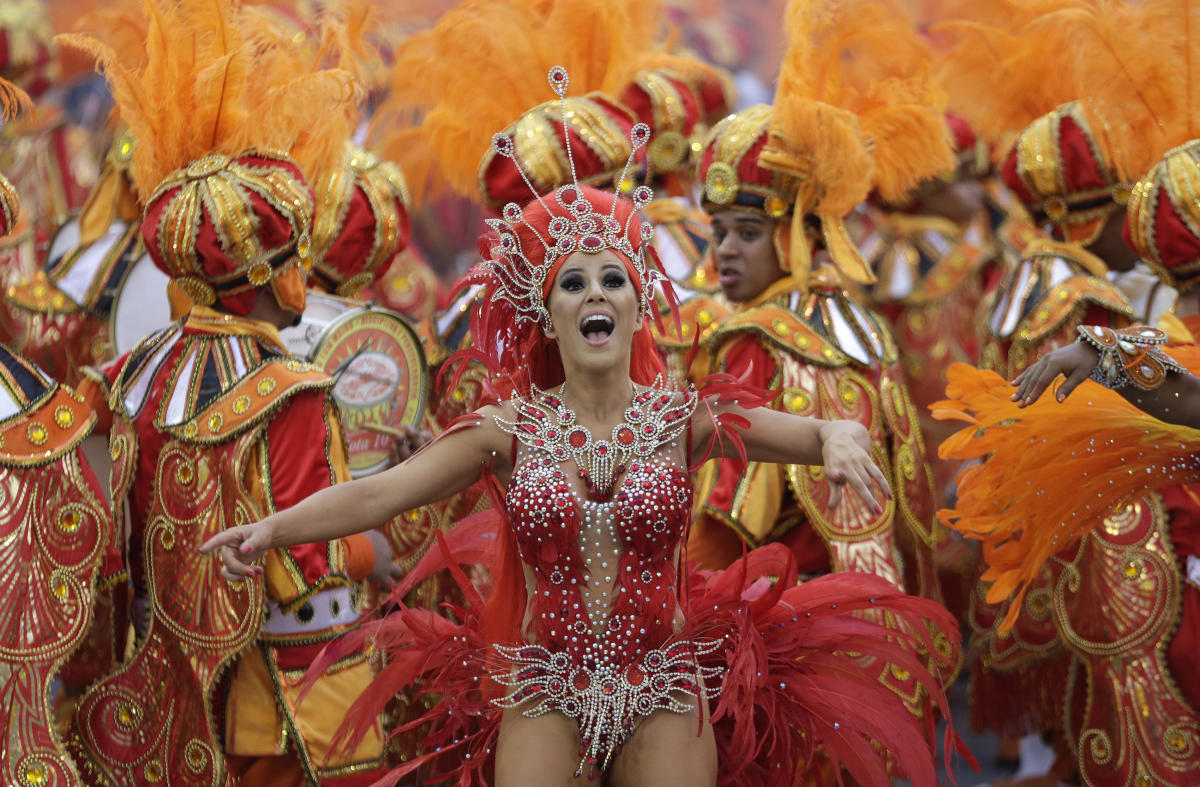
(382,377)
(140,306)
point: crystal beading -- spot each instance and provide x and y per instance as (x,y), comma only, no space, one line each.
(656,416)
(1130,356)
(605,700)
(520,279)
(601,645)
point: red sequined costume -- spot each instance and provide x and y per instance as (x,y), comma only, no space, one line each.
(613,632)
(590,614)
(57,551)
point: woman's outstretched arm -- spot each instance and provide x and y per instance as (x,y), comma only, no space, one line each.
(842,447)
(447,465)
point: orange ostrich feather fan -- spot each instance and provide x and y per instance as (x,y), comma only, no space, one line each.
(237,96)
(1053,470)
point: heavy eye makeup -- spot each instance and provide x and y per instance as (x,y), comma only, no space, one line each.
(612,278)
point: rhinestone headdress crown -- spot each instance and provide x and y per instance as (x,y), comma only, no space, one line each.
(520,279)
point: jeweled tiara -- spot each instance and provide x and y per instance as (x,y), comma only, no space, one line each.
(519,279)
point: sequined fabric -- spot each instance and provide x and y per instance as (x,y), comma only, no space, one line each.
(601,624)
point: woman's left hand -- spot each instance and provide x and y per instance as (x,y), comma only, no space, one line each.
(846,448)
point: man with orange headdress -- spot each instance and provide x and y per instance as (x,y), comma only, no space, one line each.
(778,183)
(797,327)
(215,424)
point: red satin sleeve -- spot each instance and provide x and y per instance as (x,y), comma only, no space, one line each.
(298,448)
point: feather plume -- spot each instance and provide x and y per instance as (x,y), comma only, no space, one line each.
(1030,498)
(485,64)
(13,101)
(201,86)
(1134,64)
(1000,70)
(866,60)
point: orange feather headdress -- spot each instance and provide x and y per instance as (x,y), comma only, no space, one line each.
(847,119)
(225,129)
(483,67)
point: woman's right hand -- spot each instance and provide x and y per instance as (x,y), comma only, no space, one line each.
(241,548)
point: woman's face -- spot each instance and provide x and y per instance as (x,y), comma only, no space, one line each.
(594,309)
(745,253)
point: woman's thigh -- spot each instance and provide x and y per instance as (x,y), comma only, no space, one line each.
(666,749)
(540,752)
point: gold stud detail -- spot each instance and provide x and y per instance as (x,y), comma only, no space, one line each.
(36,433)
(68,521)
(266,385)
(214,422)
(1055,208)
(64,417)
(775,207)
(259,273)
(241,404)
(720,184)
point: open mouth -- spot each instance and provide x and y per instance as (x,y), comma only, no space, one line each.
(728,276)
(596,328)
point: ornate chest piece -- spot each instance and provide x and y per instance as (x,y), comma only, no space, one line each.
(656,416)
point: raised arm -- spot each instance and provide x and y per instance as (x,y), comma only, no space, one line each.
(1175,400)
(842,447)
(447,465)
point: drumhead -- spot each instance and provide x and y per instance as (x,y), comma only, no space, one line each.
(140,306)
(382,378)
(320,310)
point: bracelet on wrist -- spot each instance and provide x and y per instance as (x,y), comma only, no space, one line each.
(1129,356)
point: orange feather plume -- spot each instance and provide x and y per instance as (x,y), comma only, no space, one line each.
(866,60)
(1033,498)
(485,64)
(1001,71)
(202,87)
(1135,65)
(13,101)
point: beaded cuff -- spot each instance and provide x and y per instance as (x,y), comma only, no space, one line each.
(1130,356)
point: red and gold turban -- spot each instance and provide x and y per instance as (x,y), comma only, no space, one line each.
(1163,222)
(677,105)
(362,223)
(1057,168)
(223,227)
(597,131)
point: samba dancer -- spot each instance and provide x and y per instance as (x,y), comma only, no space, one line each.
(593,641)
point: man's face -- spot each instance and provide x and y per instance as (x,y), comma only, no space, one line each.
(745,254)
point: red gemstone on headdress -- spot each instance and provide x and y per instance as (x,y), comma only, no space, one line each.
(577,438)
(625,435)
(591,243)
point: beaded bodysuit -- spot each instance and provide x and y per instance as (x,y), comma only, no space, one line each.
(602,618)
